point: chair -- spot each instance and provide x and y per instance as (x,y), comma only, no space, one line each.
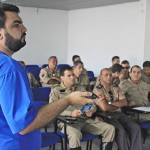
(50,139)
(91,76)
(41,97)
(86,137)
(31,67)
(44,65)
(144,126)
(36,73)
(41,94)
(59,66)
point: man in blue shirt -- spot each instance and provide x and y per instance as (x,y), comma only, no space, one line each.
(20,119)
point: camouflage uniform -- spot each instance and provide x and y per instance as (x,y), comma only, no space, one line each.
(32,80)
(123,124)
(95,126)
(82,83)
(137,93)
(46,75)
(145,78)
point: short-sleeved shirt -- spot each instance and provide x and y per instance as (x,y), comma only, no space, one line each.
(17,109)
(145,78)
(136,92)
(103,91)
(46,74)
(82,83)
(59,92)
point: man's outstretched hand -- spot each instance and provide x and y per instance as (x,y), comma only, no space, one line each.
(79,98)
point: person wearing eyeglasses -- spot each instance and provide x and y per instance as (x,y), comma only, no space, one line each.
(111,100)
(126,66)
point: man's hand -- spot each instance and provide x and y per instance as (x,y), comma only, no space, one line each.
(76,113)
(79,98)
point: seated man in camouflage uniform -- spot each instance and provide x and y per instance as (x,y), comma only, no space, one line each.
(49,76)
(136,90)
(146,72)
(95,126)
(117,74)
(82,82)
(77,58)
(111,99)
(115,60)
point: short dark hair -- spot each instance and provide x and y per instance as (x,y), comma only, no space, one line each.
(146,64)
(135,66)
(116,68)
(76,63)
(115,57)
(63,69)
(52,57)
(125,62)
(74,57)
(6,7)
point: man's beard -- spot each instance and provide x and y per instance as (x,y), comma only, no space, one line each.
(13,44)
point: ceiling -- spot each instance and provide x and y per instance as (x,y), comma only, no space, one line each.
(66,4)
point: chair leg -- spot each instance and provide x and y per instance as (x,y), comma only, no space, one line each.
(144,135)
(87,145)
(91,144)
(54,147)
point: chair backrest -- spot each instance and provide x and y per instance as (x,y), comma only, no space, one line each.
(31,67)
(59,66)
(41,94)
(44,65)
(36,73)
(50,138)
(90,74)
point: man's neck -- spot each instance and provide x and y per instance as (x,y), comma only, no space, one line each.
(68,86)
(136,82)
(7,52)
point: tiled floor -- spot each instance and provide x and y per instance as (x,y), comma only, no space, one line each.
(95,145)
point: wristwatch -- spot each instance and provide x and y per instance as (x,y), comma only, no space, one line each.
(109,102)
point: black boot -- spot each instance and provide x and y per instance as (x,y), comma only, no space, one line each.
(77,148)
(106,146)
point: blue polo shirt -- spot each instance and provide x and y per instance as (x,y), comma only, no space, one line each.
(17,109)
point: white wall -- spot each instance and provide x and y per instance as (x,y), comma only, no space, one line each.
(47,35)
(98,34)
(147,31)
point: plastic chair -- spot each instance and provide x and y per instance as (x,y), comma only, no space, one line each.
(91,76)
(41,97)
(44,65)
(59,66)
(36,73)
(31,67)
(41,94)
(50,139)
(86,137)
(144,126)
